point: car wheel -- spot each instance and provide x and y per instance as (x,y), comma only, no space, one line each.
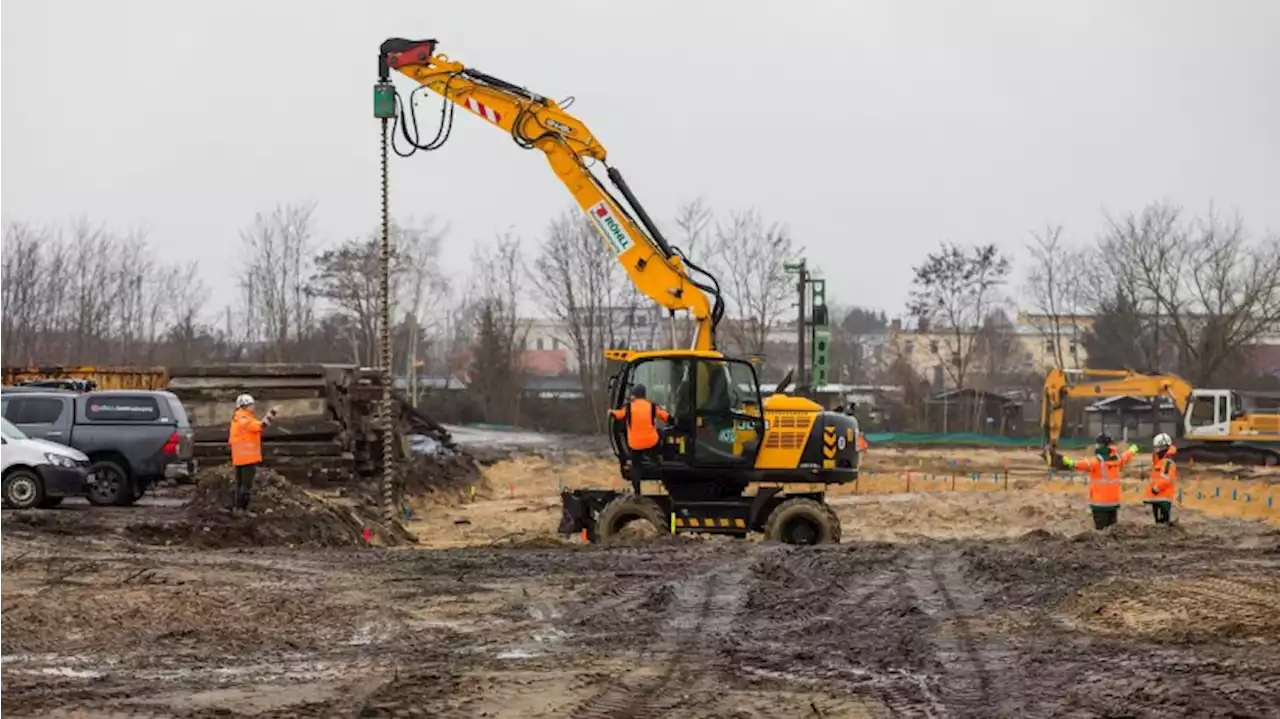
(22,489)
(113,486)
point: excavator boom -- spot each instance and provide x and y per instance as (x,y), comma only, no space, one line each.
(1058,387)
(534,121)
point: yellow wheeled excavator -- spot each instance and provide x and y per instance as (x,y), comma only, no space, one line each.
(1215,426)
(730,461)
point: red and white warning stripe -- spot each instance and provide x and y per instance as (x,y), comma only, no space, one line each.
(483,110)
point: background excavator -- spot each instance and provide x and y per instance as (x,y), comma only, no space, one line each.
(731,462)
(1215,427)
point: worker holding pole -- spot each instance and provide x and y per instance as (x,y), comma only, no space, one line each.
(1104,470)
(1160,491)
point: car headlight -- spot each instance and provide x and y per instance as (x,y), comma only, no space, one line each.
(59,460)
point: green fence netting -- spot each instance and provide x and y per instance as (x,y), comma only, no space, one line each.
(966,439)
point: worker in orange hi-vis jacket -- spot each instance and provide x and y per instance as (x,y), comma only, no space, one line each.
(245,439)
(1160,491)
(641,417)
(1104,478)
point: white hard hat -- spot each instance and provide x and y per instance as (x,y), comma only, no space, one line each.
(244,400)
(1162,440)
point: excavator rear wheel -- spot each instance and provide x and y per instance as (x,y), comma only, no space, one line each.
(803,521)
(624,510)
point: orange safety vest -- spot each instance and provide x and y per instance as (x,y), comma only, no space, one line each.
(641,416)
(1163,474)
(246,438)
(1104,478)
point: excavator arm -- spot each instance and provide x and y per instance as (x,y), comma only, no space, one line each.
(1058,388)
(534,121)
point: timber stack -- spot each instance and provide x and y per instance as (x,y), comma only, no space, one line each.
(327,431)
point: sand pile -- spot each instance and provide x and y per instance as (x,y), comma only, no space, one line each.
(280,514)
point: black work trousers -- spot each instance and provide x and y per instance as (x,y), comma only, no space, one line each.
(244,485)
(1162,511)
(1104,517)
(640,458)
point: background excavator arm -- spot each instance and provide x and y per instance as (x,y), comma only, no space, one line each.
(658,270)
(1058,388)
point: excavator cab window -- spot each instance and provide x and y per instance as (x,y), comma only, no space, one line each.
(714,406)
(668,383)
(728,424)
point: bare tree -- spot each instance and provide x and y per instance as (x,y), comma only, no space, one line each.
(586,291)
(694,224)
(347,278)
(24,278)
(749,255)
(1056,291)
(422,289)
(274,280)
(187,296)
(498,335)
(997,358)
(1209,291)
(953,291)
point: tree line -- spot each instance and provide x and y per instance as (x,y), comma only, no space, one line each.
(1169,291)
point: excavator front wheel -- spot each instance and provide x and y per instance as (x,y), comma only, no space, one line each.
(625,509)
(803,521)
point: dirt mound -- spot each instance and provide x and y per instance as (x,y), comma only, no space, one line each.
(280,514)
(1182,609)
(439,473)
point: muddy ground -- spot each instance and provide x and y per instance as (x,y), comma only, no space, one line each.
(966,604)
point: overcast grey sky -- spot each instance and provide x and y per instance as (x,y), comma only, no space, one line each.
(875,129)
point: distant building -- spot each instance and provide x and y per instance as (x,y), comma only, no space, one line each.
(1035,345)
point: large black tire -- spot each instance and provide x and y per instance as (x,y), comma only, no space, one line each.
(803,521)
(624,510)
(114,485)
(22,489)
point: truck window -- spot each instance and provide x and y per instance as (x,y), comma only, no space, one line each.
(34,410)
(179,412)
(113,408)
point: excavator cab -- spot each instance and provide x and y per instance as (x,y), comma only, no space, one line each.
(714,405)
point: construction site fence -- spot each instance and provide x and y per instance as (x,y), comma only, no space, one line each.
(1240,497)
(967,439)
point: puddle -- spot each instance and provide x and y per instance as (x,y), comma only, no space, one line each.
(516,654)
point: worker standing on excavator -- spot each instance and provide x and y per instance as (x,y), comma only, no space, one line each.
(641,417)
(1104,478)
(1160,491)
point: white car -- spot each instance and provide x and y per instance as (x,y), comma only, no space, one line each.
(39,473)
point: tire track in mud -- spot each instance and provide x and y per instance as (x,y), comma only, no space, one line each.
(941,592)
(702,612)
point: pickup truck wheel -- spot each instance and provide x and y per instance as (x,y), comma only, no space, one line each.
(114,485)
(22,489)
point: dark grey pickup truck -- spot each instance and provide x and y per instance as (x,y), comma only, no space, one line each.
(134,438)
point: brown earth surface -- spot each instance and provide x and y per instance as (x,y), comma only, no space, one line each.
(996,599)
